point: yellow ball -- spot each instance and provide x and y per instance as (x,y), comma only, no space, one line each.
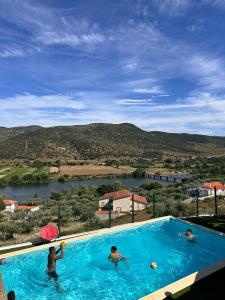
(63,245)
(153,265)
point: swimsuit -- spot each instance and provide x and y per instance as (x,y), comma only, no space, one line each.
(53,275)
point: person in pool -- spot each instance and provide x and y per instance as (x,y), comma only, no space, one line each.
(115,257)
(11,295)
(190,236)
(51,268)
(2,261)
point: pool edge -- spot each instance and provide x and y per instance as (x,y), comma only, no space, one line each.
(85,235)
(190,279)
(184,282)
(2,289)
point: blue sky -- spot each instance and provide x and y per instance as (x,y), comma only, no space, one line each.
(159,64)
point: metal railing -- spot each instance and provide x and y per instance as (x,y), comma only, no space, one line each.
(21,227)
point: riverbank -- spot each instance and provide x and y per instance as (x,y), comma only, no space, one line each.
(43,191)
(26,175)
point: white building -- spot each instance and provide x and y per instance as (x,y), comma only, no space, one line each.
(10,205)
(209,188)
(121,204)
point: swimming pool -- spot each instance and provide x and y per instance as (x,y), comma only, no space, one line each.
(86,273)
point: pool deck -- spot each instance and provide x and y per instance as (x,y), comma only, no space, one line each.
(157,295)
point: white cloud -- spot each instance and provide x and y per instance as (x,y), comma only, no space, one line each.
(15,52)
(45,27)
(152,90)
(70,39)
(34,102)
(172,7)
(193,114)
(133,101)
(215,3)
(211,71)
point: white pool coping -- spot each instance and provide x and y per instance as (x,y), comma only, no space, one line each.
(157,295)
(190,279)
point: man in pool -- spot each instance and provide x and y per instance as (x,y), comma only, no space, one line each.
(115,256)
(190,236)
(51,268)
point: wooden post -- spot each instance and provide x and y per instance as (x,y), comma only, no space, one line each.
(215,195)
(110,212)
(132,207)
(197,202)
(153,200)
(59,219)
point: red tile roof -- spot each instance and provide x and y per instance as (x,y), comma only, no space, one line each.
(124,194)
(25,207)
(213,184)
(9,202)
(138,198)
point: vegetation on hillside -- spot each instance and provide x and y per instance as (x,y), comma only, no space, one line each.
(101,141)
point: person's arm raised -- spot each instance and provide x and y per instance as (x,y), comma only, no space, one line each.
(59,256)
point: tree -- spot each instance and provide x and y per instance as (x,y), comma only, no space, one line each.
(139,173)
(28,177)
(2,204)
(57,163)
(56,196)
(61,179)
(15,179)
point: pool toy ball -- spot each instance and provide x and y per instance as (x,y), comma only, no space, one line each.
(63,245)
(153,265)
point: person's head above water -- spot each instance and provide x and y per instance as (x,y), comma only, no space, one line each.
(113,249)
(189,230)
(52,250)
(11,295)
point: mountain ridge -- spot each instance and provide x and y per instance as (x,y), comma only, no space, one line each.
(101,140)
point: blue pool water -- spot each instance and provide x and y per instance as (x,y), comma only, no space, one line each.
(85,272)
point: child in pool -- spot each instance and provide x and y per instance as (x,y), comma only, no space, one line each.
(2,261)
(115,256)
(190,236)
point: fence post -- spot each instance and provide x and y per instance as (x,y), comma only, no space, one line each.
(154,200)
(132,207)
(197,202)
(215,195)
(110,212)
(59,219)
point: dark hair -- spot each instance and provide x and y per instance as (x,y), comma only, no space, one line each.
(189,230)
(113,248)
(51,249)
(11,295)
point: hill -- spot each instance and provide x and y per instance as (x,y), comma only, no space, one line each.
(101,141)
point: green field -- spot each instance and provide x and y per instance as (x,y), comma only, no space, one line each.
(8,172)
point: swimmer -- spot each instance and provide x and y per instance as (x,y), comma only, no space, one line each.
(115,256)
(190,236)
(51,268)
(2,261)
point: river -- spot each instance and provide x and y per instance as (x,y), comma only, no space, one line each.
(43,191)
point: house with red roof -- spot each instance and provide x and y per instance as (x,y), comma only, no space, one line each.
(121,203)
(209,188)
(10,205)
(28,208)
